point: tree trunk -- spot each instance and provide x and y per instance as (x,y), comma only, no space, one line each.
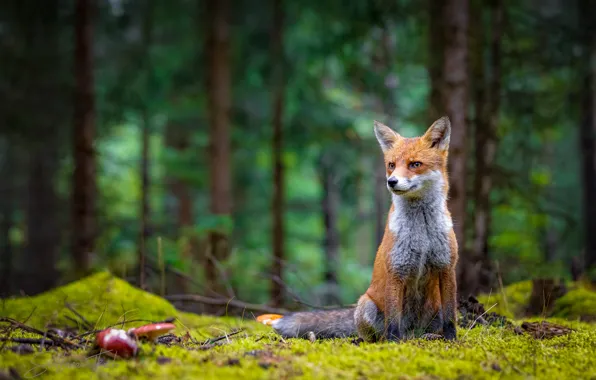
(177,138)
(435,64)
(453,90)
(7,209)
(588,128)
(487,101)
(83,219)
(381,202)
(218,79)
(144,232)
(43,238)
(389,108)
(277,82)
(145,190)
(330,205)
(545,292)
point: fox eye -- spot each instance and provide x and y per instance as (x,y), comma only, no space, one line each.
(391,165)
(415,164)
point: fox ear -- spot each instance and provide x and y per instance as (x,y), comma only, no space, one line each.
(386,136)
(439,133)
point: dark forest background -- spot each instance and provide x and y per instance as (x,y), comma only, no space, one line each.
(225,148)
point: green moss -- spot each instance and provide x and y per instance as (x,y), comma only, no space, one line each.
(104,300)
(509,301)
(578,303)
(257,353)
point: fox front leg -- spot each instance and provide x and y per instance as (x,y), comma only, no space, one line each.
(394,302)
(449,302)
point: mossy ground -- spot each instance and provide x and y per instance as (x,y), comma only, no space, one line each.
(256,353)
(579,303)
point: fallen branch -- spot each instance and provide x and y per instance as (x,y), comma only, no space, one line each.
(224,302)
(64,343)
(86,323)
(217,339)
(47,342)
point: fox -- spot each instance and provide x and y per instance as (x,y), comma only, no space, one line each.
(413,287)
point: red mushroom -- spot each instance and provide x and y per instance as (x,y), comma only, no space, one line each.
(117,343)
(153,330)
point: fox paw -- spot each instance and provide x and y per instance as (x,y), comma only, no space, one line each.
(449,331)
(431,336)
(394,334)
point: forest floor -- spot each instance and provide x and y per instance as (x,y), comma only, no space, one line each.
(227,348)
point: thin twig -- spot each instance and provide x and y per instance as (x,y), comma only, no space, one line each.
(86,323)
(217,339)
(224,302)
(43,341)
(65,343)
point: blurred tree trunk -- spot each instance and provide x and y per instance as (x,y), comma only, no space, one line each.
(452,84)
(381,203)
(7,210)
(389,108)
(435,63)
(145,192)
(588,127)
(217,52)
(176,138)
(144,232)
(43,232)
(277,82)
(487,99)
(83,219)
(330,205)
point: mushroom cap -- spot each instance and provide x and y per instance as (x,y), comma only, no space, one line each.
(268,319)
(153,331)
(117,342)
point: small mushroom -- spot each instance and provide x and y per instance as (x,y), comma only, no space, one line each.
(117,343)
(152,331)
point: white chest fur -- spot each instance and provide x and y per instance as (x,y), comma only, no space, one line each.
(421,230)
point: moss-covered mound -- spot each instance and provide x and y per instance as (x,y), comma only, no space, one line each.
(511,301)
(257,353)
(105,300)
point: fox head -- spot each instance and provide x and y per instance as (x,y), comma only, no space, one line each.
(416,167)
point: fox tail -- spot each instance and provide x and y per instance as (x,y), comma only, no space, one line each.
(323,323)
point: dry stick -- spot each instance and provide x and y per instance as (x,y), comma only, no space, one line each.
(162,267)
(217,339)
(502,288)
(57,339)
(43,341)
(12,327)
(86,323)
(224,302)
(300,301)
(180,274)
(222,273)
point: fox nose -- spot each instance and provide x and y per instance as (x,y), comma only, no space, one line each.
(392,181)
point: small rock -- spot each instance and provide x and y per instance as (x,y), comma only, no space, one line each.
(22,349)
(264,365)
(163,360)
(233,362)
(357,341)
(254,352)
(430,336)
(496,367)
